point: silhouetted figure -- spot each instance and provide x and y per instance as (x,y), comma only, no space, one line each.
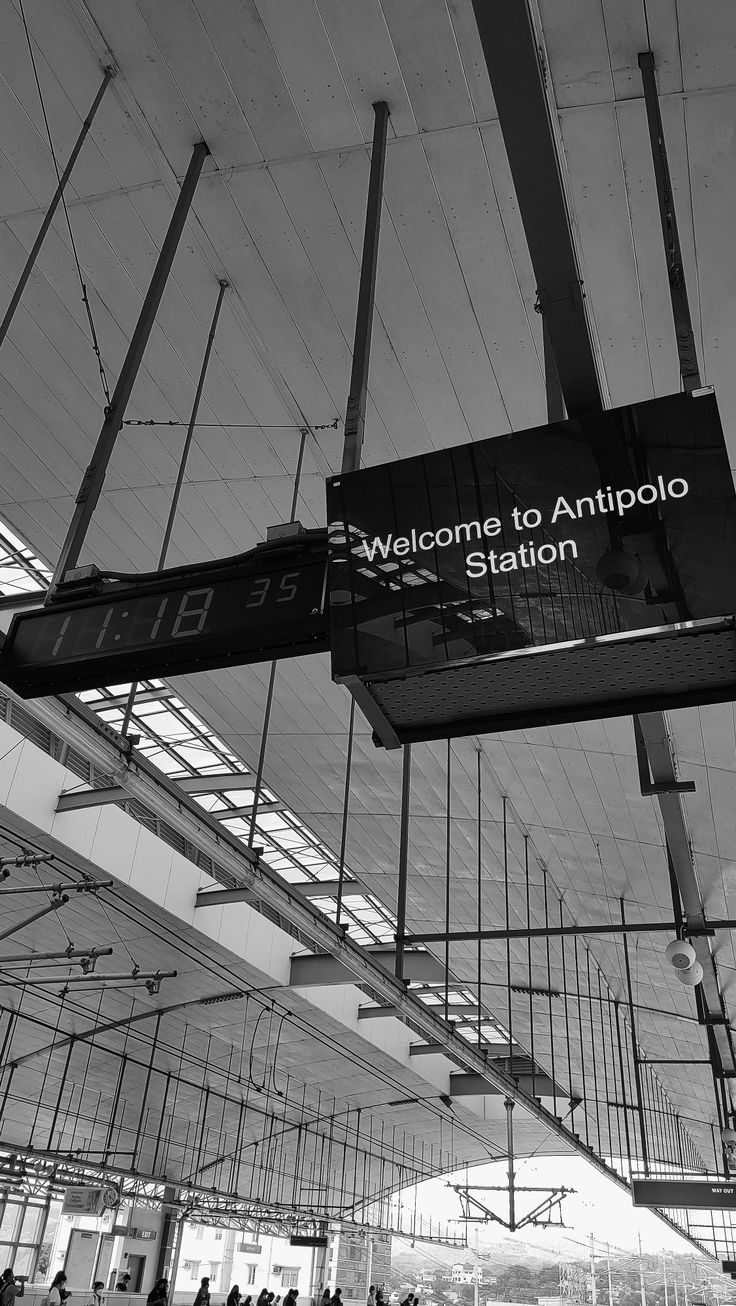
(233,1297)
(159,1294)
(203,1293)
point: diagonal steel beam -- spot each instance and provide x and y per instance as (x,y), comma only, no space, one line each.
(518,78)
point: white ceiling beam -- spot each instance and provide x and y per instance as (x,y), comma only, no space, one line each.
(217,784)
(233,813)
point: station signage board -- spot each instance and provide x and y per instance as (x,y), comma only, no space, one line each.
(572,534)
(84,1201)
(685,1194)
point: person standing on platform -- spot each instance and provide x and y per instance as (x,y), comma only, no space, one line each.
(371,1295)
(203,1293)
(123,1283)
(56,1291)
(336,1298)
(159,1294)
(233,1297)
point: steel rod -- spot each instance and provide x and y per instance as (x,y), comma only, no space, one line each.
(29,920)
(69,954)
(509,1105)
(448,846)
(223,285)
(51,210)
(93,479)
(345,813)
(479,904)
(97,977)
(635,1051)
(542,932)
(355,414)
(403,861)
(686,350)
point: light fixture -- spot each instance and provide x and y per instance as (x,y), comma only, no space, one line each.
(680,954)
(692,976)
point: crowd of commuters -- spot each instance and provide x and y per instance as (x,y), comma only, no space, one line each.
(12,1287)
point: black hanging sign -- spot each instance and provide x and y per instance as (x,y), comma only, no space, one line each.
(457,569)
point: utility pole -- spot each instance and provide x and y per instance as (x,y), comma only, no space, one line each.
(593,1284)
(641,1278)
(610,1282)
(664,1275)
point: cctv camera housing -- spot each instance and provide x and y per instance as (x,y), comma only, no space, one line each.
(680,954)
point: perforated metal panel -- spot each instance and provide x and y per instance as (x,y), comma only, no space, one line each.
(669,669)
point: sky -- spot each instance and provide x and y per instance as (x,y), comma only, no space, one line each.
(598,1206)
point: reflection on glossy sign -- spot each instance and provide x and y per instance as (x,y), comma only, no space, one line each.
(620,521)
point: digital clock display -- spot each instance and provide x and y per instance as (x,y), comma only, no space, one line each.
(251,609)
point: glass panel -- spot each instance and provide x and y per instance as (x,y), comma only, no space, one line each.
(31,1224)
(24,1257)
(9,1222)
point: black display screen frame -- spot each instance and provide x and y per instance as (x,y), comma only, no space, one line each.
(646,487)
(265,604)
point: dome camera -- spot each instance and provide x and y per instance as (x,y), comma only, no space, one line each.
(620,571)
(728,1137)
(680,954)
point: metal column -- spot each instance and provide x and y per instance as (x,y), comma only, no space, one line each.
(93,479)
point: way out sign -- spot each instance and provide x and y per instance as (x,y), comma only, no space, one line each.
(686,1194)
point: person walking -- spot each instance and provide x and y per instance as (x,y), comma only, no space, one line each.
(233,1297)
(55,1297)
(336,1298)
(262,1297)
(324,1299)
(159,1294)
(98,1288)
(371,1295)
(203,1293)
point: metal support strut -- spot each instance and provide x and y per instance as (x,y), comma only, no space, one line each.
(93,479)
(355,414)
(686,352)
(51,210)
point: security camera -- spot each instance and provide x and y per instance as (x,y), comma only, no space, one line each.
(680,954)
(620,571)
(728,1138)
